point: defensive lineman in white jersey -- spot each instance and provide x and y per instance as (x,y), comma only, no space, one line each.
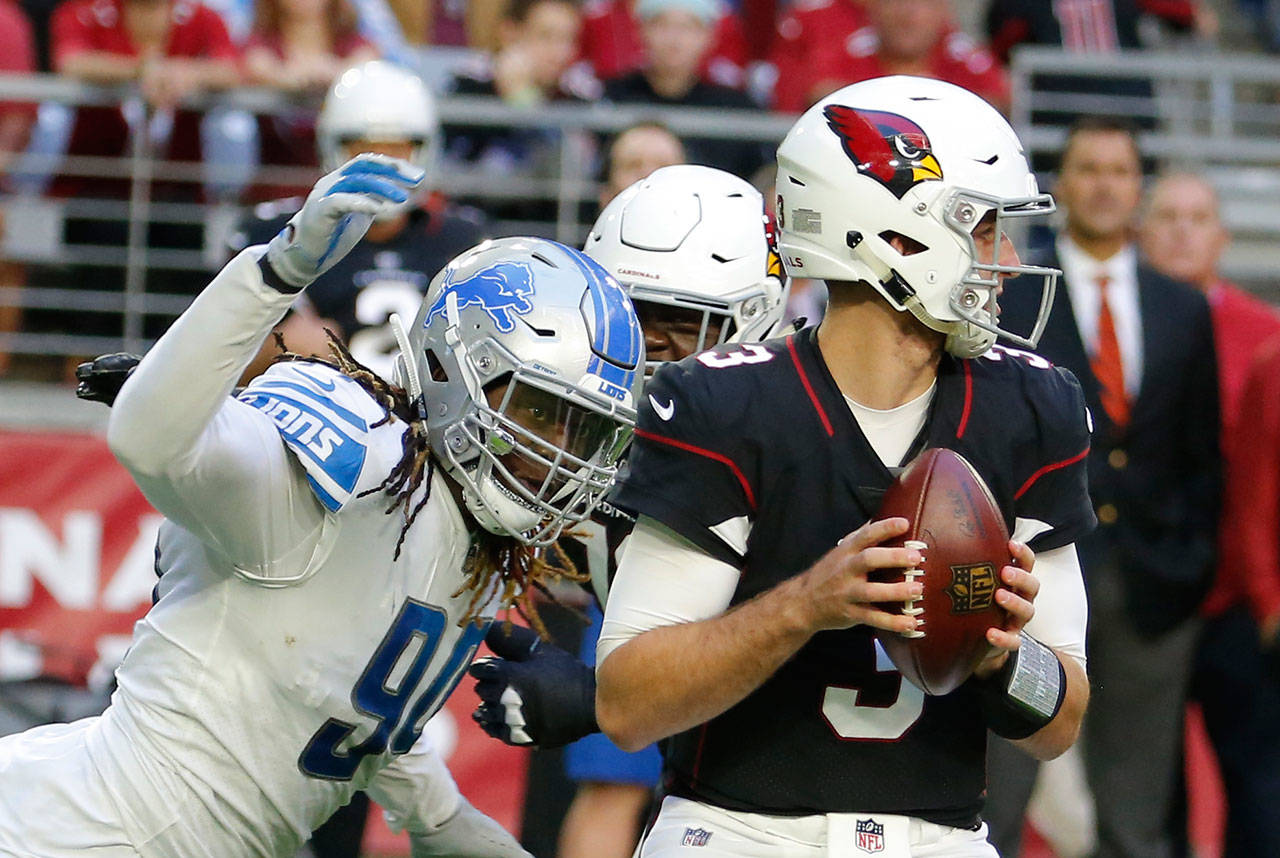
(302,636)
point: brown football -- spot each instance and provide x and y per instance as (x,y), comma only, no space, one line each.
(957,526)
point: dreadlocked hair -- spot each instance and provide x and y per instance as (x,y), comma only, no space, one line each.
(495,565)
(500,566)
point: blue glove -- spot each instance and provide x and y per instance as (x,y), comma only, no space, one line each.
(534,693)
(335,216)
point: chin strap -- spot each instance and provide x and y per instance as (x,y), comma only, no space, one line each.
(407,363)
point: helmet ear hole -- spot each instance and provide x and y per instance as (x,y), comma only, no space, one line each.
(437,370)
(905,245)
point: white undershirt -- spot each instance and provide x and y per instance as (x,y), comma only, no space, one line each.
(1080,273)
(892,431)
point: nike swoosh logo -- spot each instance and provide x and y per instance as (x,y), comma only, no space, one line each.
(663,411)
(323,385)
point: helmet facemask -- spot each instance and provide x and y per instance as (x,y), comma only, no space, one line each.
(546,457)
(974,296)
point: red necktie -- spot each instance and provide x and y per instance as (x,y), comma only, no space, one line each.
(1106,365)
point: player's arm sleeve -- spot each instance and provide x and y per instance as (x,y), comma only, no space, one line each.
(662,580)
(1051,500)
(1062,609)
(211,463)
(690,468)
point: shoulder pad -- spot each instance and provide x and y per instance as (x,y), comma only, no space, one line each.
(1051,392)
(326,420)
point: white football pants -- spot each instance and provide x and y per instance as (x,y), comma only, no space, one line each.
(689,829)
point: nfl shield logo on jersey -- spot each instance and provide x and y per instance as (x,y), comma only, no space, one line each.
(695,837)
(870,836)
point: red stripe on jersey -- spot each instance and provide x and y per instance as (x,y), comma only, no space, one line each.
(697,757)
(724,460)
(808,388)
(968,400)
(1046,469)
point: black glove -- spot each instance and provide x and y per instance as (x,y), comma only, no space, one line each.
(100,379)
(534,693)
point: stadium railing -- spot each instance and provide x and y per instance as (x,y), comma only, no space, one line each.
(34,221)
(1213,113)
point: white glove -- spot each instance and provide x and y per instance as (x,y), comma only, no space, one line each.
(335,216)
(466,834)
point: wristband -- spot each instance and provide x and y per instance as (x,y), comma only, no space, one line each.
(1026,693)
(274,280)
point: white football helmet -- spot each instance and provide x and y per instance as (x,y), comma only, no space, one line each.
(527,358)
(924,161)
(382,102)
(695,237)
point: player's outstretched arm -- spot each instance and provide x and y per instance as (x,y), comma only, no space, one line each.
(185,378)
(203,459)
(533,692)
(664,680)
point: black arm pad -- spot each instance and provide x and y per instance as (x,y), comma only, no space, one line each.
(1026,693)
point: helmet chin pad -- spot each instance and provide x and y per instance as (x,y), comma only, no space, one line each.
(497,512)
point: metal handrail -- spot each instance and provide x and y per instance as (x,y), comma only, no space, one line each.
(568,187)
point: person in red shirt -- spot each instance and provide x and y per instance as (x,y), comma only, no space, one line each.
(611,42)
(1183,237)
(303,44)
(17,54)
(298,46)
(915,37)
(171,48)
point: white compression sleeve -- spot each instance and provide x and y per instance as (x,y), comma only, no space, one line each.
(212,464)
(1062,609)
(662,580)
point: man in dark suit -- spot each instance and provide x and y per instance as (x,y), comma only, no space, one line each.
(1142,346)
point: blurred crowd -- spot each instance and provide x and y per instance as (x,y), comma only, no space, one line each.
(748,54)
(1185,637)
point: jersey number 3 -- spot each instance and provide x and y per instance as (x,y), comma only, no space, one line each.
(883,708)
(418,629)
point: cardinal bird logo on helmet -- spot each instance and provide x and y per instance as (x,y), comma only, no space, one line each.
(889,148)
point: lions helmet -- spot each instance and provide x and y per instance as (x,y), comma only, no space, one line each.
(924,162)
(695,237)
(528,359)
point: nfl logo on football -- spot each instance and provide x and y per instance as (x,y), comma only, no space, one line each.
(870,835)
(695,837)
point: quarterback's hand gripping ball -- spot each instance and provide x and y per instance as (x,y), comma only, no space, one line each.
(959,530)
(336,215)
(534,693)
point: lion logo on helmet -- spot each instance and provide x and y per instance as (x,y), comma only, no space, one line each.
(889,148)
(501,290)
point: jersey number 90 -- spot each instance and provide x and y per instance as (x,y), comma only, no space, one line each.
(419,627)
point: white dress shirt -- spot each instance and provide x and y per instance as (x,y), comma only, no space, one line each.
(1080,272)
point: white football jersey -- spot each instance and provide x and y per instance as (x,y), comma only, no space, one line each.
(291,657)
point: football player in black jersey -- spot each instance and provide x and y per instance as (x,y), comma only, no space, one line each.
(692,247)
(739,627)
(383,108)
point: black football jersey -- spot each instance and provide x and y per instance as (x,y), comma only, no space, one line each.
(752,453)
(376,279)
